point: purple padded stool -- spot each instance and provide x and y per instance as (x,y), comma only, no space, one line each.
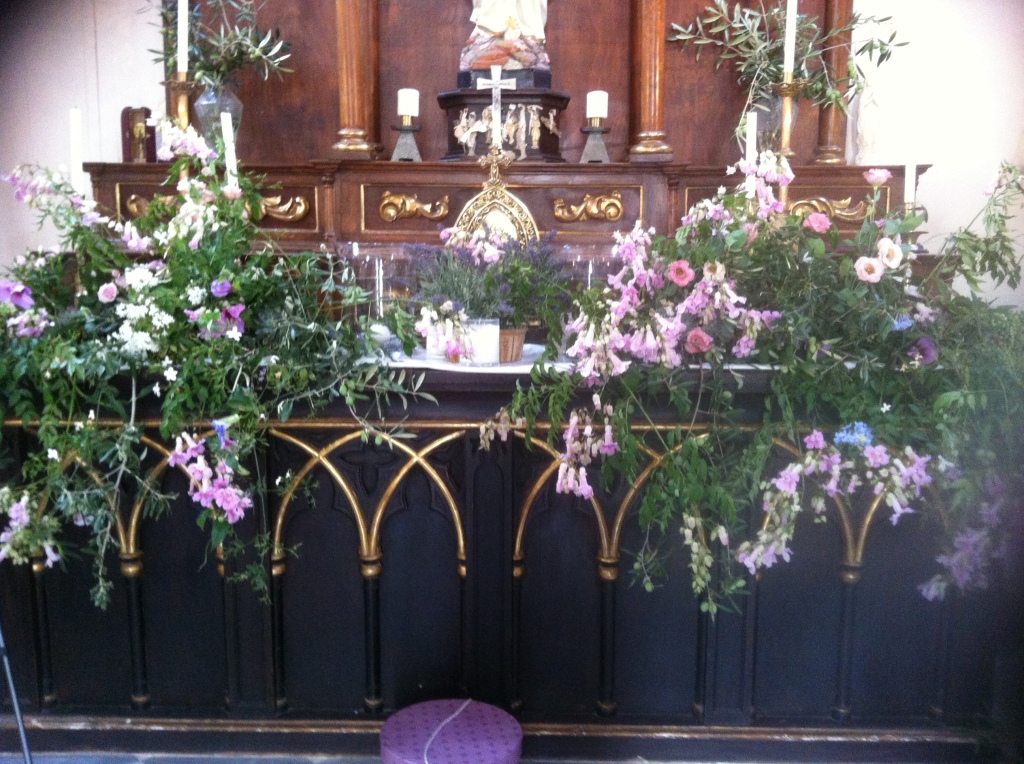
(451,732)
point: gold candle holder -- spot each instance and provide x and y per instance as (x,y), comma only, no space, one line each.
(789,89)
(180,89)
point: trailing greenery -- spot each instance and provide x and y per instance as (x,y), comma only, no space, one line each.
(884,382)
(188,315)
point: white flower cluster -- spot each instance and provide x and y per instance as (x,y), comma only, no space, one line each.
(143,321)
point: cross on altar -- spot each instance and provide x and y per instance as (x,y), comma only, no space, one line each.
(496,84)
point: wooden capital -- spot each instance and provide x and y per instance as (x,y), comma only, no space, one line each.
(648,75)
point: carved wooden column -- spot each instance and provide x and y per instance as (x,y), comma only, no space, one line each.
(357,77)
(650,24)
(832,120)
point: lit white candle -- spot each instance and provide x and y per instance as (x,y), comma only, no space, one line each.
(230,160)
(182,36)
(789,48)
(910,185)
(76,152)
(496,118)
(408,102)
(751,153)
(597,104)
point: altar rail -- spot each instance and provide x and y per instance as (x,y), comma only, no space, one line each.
(426,568)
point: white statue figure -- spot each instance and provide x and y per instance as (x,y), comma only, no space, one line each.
(507,33)
(510,18)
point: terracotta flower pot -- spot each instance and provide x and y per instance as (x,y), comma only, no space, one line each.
(512,344)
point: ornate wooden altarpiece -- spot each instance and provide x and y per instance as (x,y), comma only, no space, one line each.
(429,568)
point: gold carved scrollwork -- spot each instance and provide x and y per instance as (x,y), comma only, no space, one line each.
(603,207)
(291,211)
(837,210)
(138,206)
(399,206)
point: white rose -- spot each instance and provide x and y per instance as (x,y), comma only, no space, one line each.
(890,252)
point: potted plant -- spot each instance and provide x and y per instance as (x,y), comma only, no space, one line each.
(534,288)
(462,306)
(752,39)
(224,39)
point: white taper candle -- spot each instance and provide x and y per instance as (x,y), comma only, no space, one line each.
(789,45)
(182,36)
(751,146)
(76,153)
(230,160)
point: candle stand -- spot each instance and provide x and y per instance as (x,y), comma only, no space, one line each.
(406,149)
(789,89)
(595,150)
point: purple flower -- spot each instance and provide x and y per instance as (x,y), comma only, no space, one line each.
(220,288)
(788,479)
(924,351)
(815,440)
(877,456)
(18,295)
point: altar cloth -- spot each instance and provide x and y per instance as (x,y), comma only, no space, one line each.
(451,732)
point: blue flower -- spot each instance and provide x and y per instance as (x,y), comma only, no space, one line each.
(221,428)
(856,434)
(902,322)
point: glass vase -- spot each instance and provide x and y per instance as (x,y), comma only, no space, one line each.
(208,107)
(769,121)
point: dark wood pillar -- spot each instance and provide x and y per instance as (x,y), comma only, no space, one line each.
(647,96)
(832,120)
(357,77)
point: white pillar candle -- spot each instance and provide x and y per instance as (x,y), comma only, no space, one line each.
(76,153)
(789,47)
(910,185)
(751,153)
(408,102)
(230,160)
(182,36)
(597,104)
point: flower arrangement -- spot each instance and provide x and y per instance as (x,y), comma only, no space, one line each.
(846,332)
(752,40)
(483,275)
(187,314)
(225,39)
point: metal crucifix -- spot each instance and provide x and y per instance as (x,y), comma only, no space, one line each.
(496,85)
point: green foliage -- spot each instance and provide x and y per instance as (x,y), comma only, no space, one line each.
(224,39)
(751,40)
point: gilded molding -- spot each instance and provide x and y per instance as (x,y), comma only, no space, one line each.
(837,210)
(401,206)
(138,206)
(593,207)
(291,211)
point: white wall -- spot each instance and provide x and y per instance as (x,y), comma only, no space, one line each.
(59,54)
(951,98)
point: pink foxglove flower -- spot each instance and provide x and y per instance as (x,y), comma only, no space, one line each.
(869,269)
(877,176)
(818,222)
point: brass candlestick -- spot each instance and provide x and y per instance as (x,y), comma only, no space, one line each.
(789,89)
(180,89)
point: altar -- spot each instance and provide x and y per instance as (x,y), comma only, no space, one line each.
(423,567)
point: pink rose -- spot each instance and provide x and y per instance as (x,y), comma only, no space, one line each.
(869,269)
(698,341)
(107,292)
(231,192)
(817,222)
(680,273)
(877,176)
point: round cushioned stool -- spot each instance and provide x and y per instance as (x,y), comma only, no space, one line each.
(451,732)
